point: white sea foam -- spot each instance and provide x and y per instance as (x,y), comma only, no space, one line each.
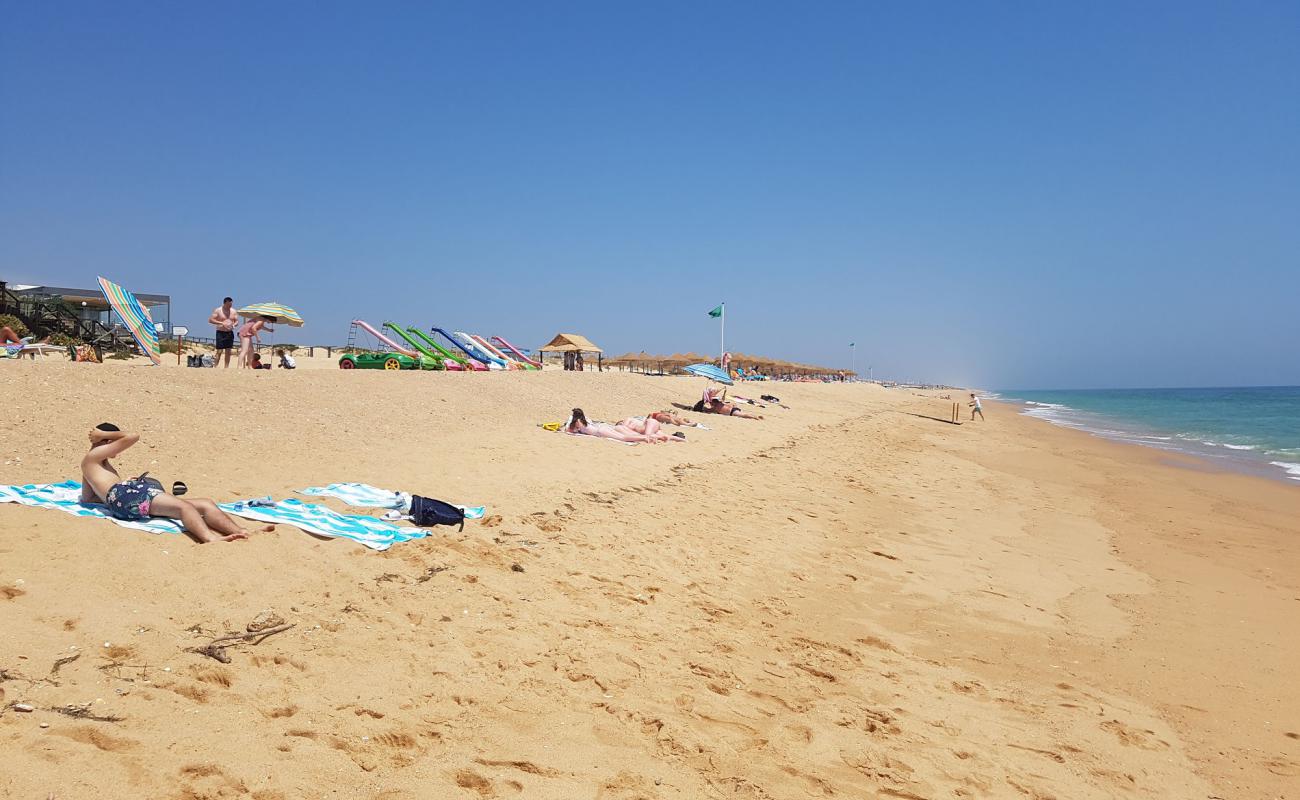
(1240,446)
(1291,469)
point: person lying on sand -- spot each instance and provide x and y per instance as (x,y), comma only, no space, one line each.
(136,499)
(578,424)
(712,403)
(649,426)
(672,418)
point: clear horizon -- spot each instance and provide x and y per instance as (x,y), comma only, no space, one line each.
(980,196)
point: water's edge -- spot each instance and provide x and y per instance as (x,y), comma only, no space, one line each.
(1226,450)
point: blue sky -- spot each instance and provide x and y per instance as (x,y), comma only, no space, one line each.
(997,194)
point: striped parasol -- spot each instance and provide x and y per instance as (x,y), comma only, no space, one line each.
(282,314)
(135,316)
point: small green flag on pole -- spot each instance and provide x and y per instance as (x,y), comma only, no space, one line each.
(717,312)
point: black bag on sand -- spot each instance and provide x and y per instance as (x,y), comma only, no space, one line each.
(427,512)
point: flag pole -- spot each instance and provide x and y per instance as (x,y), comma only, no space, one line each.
(723,345)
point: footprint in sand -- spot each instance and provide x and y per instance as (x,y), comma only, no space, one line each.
(215,675)
(523,766)
(469,779)
(99,739)
(1134,737)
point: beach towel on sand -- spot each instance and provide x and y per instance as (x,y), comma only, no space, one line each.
(317,519)
(66,497)
(368,531)
(364,495)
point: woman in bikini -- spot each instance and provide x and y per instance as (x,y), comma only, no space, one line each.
(671,418)
(649,426)
(579,425)
(247,334)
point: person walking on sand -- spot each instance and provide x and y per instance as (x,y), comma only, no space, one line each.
(975,407)
(225,318)
(137,499)
(247,334)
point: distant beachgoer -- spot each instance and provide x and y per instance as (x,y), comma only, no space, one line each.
(714,402)
(225,318)
(137,499)
(10,337)
(649,426)
(578,424)
(247,334)
(256,359)
(286,360)
(975,407)
(14,344)
(672,418)
(577,362)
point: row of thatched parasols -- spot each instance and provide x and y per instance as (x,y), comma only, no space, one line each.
(766,366)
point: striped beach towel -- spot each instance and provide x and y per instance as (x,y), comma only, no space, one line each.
(368,531)
(66,497)
(364,495)
(317,519)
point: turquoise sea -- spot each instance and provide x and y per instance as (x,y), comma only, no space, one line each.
(1256,429)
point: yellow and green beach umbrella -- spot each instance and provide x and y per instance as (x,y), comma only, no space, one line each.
(282,314)
(135,317)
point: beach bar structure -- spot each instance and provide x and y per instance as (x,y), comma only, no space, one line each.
(82,314)
(572,343)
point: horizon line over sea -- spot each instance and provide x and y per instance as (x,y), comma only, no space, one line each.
(1252,429)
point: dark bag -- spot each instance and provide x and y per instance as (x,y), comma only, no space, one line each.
(147,481)
(427,512)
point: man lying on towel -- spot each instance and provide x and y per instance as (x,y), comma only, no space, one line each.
(714,401)
(138,499)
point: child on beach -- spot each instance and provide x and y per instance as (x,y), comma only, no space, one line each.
(975,407)
(138,499)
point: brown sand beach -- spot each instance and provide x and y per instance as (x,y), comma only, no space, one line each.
(850,598)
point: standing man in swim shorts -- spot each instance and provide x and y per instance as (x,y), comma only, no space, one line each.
(225,318)
(975,407)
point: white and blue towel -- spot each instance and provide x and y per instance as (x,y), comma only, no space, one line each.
(364,495)
(317,519)
(373,533)
(66,497)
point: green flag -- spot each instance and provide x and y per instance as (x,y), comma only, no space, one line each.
(717,312)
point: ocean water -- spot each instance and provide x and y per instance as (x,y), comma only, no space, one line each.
(1255,429)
